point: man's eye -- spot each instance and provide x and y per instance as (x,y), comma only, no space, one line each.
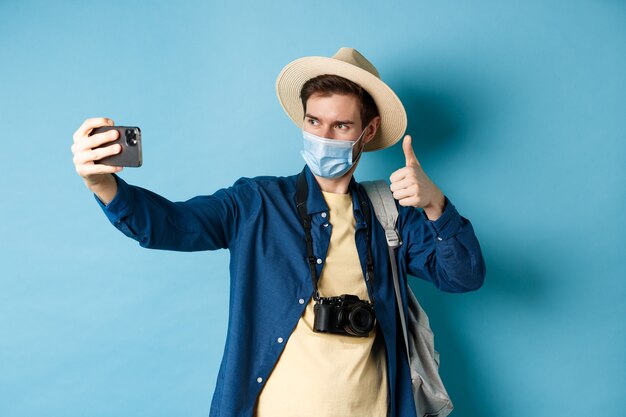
(312,121)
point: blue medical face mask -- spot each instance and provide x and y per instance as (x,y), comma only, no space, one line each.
(328,158)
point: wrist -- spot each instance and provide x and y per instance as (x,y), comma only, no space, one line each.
(104,188)
(435,208)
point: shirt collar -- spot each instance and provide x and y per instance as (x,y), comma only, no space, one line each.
(315,200)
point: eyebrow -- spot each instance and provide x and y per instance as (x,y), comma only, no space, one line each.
(337,122)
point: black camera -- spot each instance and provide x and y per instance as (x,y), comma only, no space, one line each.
(131,137)
(346,314)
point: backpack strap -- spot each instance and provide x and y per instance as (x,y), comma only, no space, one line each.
(385,208)
(429,394)
(386,212)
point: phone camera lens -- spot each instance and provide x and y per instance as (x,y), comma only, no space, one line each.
(131,137)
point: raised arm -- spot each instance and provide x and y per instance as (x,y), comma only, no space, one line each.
(439,244)
(201,223)
(445,251)
(206,222)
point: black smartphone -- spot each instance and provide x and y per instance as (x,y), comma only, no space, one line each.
(130,140)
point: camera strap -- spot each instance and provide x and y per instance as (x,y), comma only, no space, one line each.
(302,191)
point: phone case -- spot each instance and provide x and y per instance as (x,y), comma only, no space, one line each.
(130,140)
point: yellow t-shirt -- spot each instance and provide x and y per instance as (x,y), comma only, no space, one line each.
(322,374)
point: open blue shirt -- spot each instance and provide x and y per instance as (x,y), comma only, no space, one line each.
(270,280)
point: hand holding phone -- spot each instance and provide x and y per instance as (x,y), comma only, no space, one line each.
(129,139)
(88,148)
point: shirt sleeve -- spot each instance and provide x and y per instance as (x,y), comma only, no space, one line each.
(206,222)
(445,252)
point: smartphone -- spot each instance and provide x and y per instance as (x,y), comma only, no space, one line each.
(130,140)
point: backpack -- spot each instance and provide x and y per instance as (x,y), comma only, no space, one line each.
(430,396)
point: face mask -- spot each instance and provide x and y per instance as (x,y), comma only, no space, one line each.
(328,158)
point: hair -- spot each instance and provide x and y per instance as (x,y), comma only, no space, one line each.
(327,84)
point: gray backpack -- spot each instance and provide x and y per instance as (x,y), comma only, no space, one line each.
(431,397)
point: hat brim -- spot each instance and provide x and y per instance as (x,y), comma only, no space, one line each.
(392,114)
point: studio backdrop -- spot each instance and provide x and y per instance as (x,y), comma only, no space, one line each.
(517,113)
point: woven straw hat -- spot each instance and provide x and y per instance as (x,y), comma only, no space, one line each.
(350,64)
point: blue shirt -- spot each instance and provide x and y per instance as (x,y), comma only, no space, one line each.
(270,280)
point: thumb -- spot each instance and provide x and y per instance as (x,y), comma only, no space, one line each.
(411,159)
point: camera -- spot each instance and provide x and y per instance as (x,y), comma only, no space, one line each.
(345,314)
(131,137)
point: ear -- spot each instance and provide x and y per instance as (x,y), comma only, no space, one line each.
(372,128)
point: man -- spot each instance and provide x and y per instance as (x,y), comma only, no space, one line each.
(296,242)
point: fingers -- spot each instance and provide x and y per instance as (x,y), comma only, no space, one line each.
(90,124)
(404,193)
(87,151)
(94,141)
(409,154)
(84,151)
(90,155)
(403,183)
(405,188)
(410,185)
(401,174)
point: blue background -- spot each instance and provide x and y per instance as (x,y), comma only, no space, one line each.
(517,111)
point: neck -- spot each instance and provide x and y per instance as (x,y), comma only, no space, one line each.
(338,185)
(334,185)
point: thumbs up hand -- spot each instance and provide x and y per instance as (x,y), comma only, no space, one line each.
(412,187)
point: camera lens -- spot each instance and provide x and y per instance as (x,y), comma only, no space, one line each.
(360,320)
(131,137)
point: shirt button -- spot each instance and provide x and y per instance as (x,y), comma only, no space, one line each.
(439,238)
(325,224)
(259,380)
(301,301)
(280,340)
(319,261)
(324,215)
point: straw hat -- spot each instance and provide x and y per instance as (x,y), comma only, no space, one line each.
(350,64)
